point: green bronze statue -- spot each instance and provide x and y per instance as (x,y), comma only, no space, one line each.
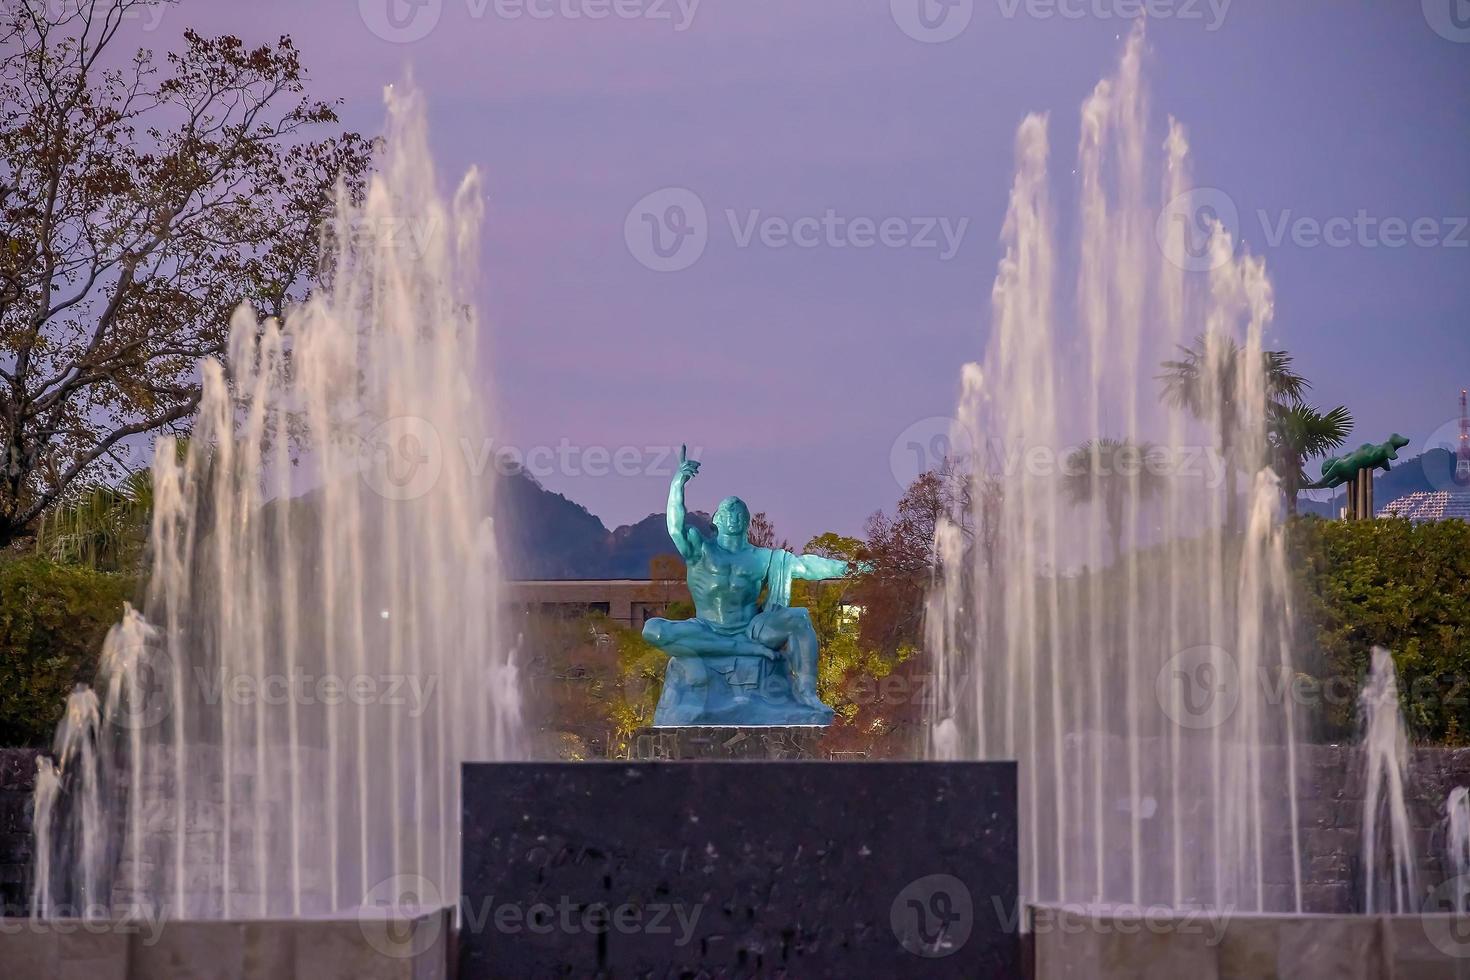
(738,662)
(1344,469)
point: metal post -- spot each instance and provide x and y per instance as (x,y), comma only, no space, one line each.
(1364,495)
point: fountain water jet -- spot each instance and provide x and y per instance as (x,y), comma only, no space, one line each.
(319,649)
(1457,842)
(1385,746)
(1123,639)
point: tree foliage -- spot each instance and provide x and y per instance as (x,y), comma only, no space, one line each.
(1208,381)
(901,549)
(1106,472)
(1299,432)
(52,621)
(1397,585)
(141,199)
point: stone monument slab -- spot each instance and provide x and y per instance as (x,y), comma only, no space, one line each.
(798,869)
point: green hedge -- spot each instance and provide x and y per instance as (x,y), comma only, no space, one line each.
(52,622)
(1397,585)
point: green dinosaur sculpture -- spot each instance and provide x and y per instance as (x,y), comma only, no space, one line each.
(1344,469)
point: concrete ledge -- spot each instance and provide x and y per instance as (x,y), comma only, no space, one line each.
(1113,943)
(374,946)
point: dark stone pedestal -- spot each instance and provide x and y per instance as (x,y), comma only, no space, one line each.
(17,785)
(739,869)
(665,744)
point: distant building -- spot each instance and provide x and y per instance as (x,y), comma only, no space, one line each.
(626,601)
(1422,506)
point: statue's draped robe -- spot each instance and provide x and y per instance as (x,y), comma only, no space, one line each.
(778,580)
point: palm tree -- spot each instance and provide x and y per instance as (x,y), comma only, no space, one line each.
(1107,470)
(102,527)
(1298,433)
(1205,381)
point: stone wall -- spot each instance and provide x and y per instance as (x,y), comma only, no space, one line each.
(1331,802)
(17,780)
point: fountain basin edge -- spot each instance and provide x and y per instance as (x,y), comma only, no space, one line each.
(369,945)
(1112,943)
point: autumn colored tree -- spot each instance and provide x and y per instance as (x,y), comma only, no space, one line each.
(141,200)
(901,548)
(762,533)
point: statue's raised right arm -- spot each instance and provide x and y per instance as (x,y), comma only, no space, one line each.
(686,539)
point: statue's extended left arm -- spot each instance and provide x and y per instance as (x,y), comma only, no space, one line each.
(815,568)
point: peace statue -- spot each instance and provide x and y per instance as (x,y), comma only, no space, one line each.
(738,662)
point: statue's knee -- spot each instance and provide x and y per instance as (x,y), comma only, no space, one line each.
(797,618)
(653,631)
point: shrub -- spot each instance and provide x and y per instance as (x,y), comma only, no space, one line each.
(52,622)
(1397,585)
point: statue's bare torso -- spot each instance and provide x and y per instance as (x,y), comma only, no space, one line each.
(725,584)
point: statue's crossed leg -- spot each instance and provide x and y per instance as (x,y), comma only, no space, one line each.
(697,638)
(782,632)
(790,630)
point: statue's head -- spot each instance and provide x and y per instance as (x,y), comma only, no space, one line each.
(732,517)
(1397,442)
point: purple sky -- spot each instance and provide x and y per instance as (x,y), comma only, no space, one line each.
(796,369)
